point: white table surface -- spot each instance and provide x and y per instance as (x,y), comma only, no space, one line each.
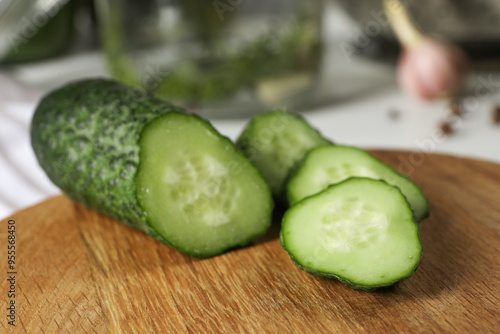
(362,93)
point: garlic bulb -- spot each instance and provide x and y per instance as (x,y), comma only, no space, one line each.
(428,68)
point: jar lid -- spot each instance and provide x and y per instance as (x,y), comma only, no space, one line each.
(20,20)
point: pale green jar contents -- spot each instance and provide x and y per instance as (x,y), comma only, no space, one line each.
(224,58)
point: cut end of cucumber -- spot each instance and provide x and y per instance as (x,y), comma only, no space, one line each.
(360,231)
(201,195)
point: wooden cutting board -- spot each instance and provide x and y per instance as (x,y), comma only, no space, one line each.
(79,271)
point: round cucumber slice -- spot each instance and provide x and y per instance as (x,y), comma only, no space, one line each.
(360,231)
(200,193)
(329,164)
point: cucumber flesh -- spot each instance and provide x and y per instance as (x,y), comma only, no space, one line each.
(329,164)
(200,193)
(360,231)
(275,142)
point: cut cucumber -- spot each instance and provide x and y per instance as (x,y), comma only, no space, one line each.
(360,231)
(329,164)
(275,142)
(150,165)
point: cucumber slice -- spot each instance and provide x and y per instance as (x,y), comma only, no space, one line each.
(330,164)
(360,231)
(150,165)
(200,193)
(275,142)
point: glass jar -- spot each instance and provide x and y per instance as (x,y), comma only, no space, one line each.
(218,58)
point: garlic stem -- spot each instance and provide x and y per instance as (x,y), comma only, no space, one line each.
(403,27)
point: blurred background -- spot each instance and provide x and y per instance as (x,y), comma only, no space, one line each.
(335,61)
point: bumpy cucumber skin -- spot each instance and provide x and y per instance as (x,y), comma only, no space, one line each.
(320,274)
(85,136)
(244,143)
(297,171)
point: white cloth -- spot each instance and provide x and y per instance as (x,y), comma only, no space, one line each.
(22,182)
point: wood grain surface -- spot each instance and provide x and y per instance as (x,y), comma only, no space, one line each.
(79,271)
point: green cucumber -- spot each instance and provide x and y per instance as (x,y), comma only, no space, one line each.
(150,165)
(275,142)
(330,164)
(360,231)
